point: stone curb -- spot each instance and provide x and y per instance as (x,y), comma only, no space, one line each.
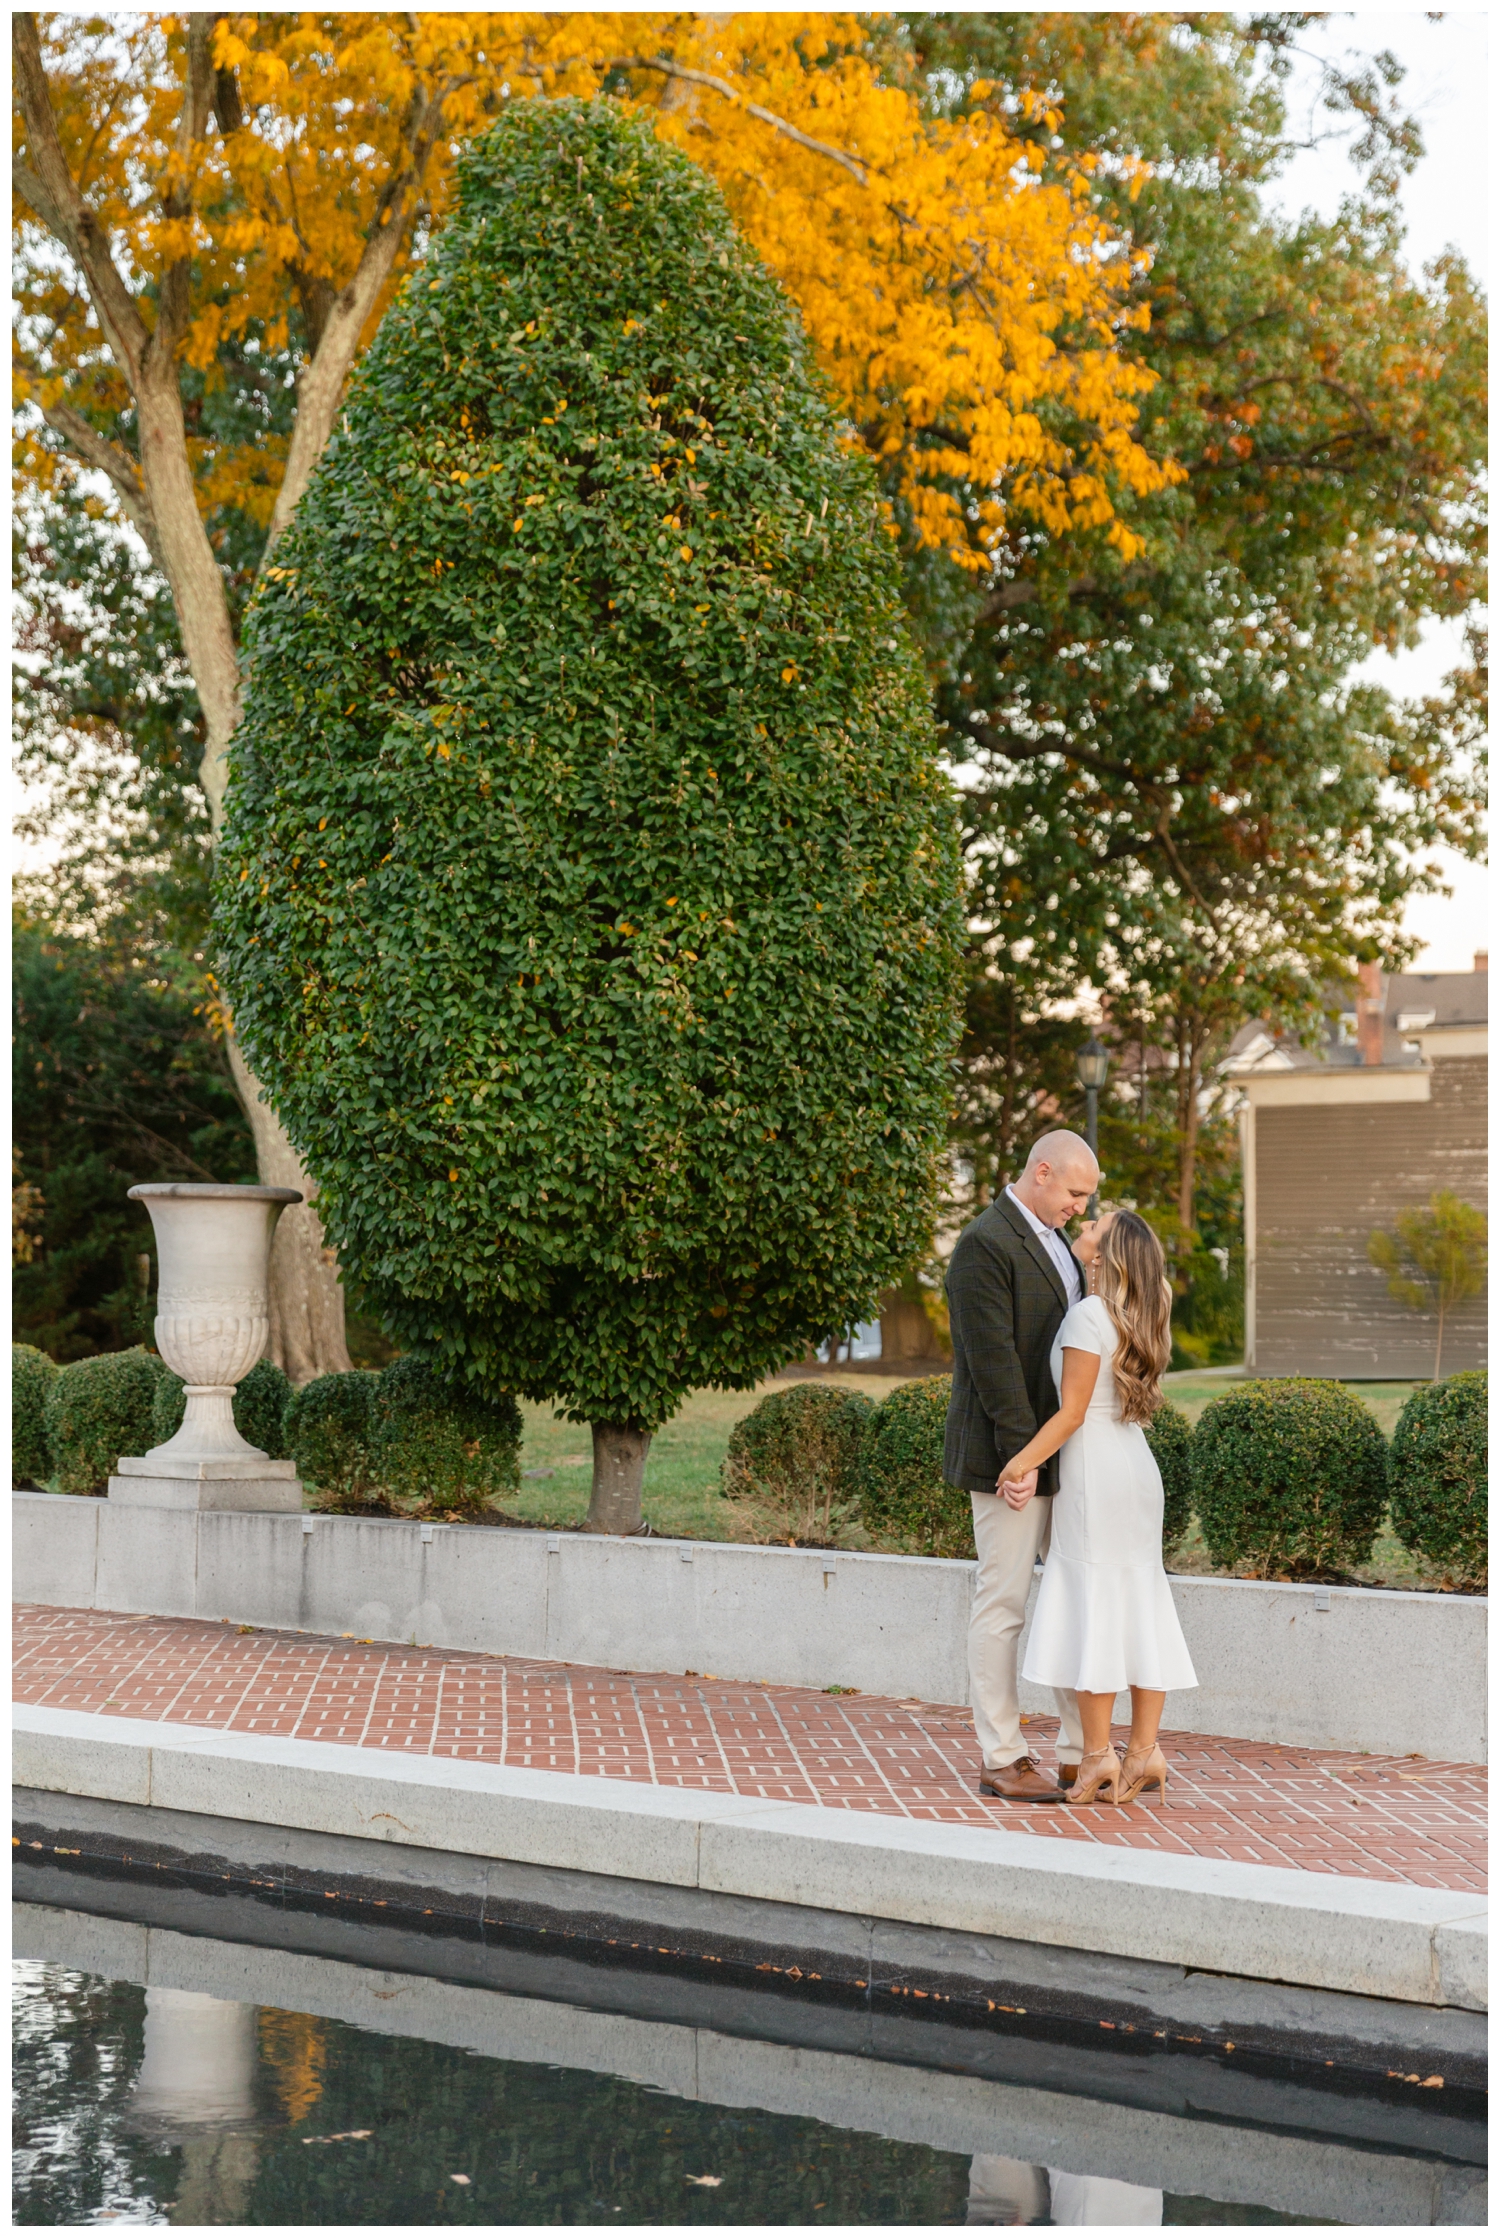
(1267,1923)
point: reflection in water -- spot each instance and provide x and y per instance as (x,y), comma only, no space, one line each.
(1102,2201)
(198,2071)
(197,2088)
(1007,2192)
(1016,2192)
(168,2106)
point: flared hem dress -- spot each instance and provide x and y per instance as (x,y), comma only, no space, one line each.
(1104,1615)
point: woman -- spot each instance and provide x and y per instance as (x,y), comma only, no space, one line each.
(1104,1615)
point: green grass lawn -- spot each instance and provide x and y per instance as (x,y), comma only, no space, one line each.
(683,1501)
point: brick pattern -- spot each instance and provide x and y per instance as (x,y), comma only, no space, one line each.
(1377,1818)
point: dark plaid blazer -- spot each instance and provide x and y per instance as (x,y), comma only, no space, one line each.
(1006,1301)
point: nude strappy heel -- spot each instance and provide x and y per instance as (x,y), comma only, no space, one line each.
(1150,1771)
(1095,1774)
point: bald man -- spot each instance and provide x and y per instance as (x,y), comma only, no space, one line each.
(1010,1281)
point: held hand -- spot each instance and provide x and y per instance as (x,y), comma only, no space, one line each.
(1016,1491)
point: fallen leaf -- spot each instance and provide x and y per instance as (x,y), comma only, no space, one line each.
(709,2183)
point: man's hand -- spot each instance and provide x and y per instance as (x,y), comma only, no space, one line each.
(1016,1491)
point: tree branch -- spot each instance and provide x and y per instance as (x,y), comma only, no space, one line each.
(322,385)
(850,163)
(174,297)
(97,451)
(53,195)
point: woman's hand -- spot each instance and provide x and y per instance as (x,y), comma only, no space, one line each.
(1015,1491)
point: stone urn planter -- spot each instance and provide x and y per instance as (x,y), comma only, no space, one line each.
(213,1317)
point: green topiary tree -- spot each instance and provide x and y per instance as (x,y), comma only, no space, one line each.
(435,1444)
(1291,1475)
(902,1496)
(327,1430)
(97,1409)
(1169,1436)
(260,1403)
(1440,1487)
(795,1460)
(1438,1256)
(32,1375)
(589,896)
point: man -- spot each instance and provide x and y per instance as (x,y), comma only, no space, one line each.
(1010,1281)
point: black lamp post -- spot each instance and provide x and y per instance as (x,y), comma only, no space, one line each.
(1092,1066)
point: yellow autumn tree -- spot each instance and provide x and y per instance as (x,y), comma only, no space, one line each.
(185,183)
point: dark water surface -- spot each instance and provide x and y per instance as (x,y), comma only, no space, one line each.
(162,2105)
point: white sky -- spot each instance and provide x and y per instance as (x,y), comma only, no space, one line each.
(1445,203)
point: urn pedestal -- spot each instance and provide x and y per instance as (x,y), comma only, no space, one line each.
(213,1317)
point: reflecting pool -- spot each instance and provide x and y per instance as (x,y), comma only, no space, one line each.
(166,2105)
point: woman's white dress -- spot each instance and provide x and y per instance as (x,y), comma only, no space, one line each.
(1104,1616)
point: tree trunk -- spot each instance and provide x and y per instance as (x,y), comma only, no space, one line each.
(161,497)
(1437,1365)
(906,1332)
(307,1297)
(619,1470)
(1008,1100)
(1189,1053)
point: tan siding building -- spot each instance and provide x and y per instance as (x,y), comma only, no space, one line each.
(1338,1141)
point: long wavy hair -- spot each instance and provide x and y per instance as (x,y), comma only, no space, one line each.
(1138,1298)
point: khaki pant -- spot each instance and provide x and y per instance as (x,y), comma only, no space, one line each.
(1009,1546)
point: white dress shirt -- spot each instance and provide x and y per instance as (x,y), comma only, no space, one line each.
(1054,1246)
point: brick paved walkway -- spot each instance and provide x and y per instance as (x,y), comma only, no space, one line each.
(1379,1818)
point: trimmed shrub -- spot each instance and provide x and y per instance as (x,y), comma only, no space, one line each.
(436,1445)
(1440,1476)
(590,889)
(96,1410)
(327,1429)
(793,1463)
(32,1375)
(260,1405)
(904,1503)
(1169,1436)
(1290,1476)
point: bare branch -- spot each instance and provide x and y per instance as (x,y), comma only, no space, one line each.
(175,295)
(57,202)
(850,163)
(97,451)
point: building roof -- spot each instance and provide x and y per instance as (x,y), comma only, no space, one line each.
(1436,998)
(1409,1003)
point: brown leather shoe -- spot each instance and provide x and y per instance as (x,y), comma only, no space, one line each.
(1021,1782)
(1067,1775)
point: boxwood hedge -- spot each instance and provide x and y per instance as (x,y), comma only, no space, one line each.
(327,1431)
(903,1500)
(97,1409)
(1440,1476)
(589,896)
(795,1459)
(1169,1436)
(32,1375)
(1290,1476)
(435,1444)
